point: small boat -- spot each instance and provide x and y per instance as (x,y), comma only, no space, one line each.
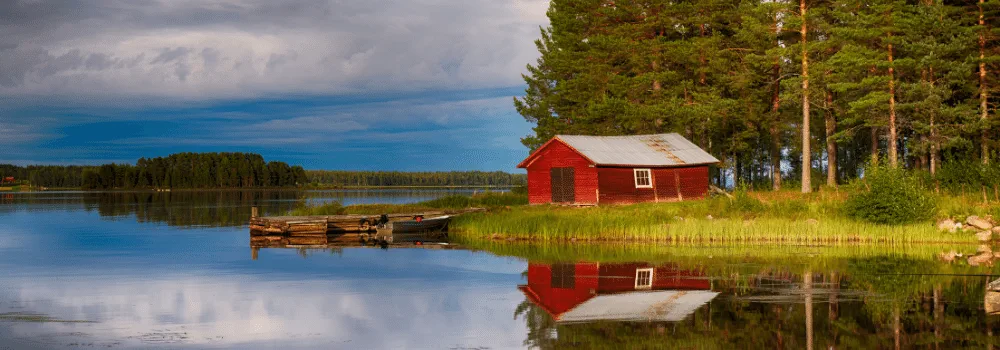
(419,224)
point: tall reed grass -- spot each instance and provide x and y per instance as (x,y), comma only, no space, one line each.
(769,217)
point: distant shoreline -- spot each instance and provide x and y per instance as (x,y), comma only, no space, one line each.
(307,188)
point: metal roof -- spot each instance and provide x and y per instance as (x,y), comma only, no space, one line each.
(639,150)
(667,305)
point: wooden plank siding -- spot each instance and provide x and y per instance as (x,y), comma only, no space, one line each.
(617,185)
(558,155)
(694,182)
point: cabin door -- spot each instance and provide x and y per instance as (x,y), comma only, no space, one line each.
(563,185)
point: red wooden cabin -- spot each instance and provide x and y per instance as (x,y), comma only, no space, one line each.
(591,170)
(590,291)
(9,179)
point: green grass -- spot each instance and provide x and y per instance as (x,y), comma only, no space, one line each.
(761,217)
(780,217)
(488,200)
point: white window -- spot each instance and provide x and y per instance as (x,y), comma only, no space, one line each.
(643,178)
(644,278)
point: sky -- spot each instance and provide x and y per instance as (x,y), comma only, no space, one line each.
(412,85)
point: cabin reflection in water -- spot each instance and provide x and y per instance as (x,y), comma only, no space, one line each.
(591,291)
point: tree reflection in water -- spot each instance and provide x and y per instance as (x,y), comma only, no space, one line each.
(873,302)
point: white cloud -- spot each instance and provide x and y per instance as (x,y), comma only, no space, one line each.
(229,48)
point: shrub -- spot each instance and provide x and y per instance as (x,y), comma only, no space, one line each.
(745,204)
(519,190)
(889,195)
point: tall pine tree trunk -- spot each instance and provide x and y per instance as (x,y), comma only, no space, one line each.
(808,286)
(892,143)
(806,152)
(983,94)
(934,147)
(831,144)
(775,136)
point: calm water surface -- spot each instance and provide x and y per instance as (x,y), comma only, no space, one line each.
(143,270)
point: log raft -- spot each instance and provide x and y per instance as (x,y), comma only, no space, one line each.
(324,229)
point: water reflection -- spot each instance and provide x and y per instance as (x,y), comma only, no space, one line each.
(75,279)
(874,303)
(204,208)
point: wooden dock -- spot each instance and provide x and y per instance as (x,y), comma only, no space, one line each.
(327,229)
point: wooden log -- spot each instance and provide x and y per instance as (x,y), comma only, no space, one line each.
(344,238)
(307,240)
(307,228)
(257,239)
(308,234)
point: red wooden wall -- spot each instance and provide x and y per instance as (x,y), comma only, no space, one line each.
(590,279)
(558,155)
(621,278)
(617,185)
(559,300)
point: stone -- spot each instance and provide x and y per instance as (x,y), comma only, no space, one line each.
(678,218)
(984,236)
(709,217)
(946,225)
(812,222)
(980,259)
(984,249)
(996,229)
(978,222)
(949,256)
(991,302)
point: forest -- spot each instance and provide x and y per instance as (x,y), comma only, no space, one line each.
(782,91)
(398,178)
(236,170)
(182,170)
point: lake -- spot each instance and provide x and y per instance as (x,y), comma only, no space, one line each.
(175,270)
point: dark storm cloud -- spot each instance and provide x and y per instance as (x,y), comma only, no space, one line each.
(235,48)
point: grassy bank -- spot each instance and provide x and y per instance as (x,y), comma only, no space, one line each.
(782,217)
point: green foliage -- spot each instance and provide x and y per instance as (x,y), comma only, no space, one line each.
(729,76)
(182,170)
(744,203)
(965,177)
(889,195)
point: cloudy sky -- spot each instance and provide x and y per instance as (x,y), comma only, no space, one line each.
(329,84)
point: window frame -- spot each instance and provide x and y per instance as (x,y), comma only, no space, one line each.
(648,270)
(649,177)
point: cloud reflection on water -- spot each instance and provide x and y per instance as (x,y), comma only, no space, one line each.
(224,311)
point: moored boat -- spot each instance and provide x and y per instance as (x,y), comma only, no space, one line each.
(418,224)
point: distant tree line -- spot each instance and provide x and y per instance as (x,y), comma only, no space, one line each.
(398,178)
(182,170)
